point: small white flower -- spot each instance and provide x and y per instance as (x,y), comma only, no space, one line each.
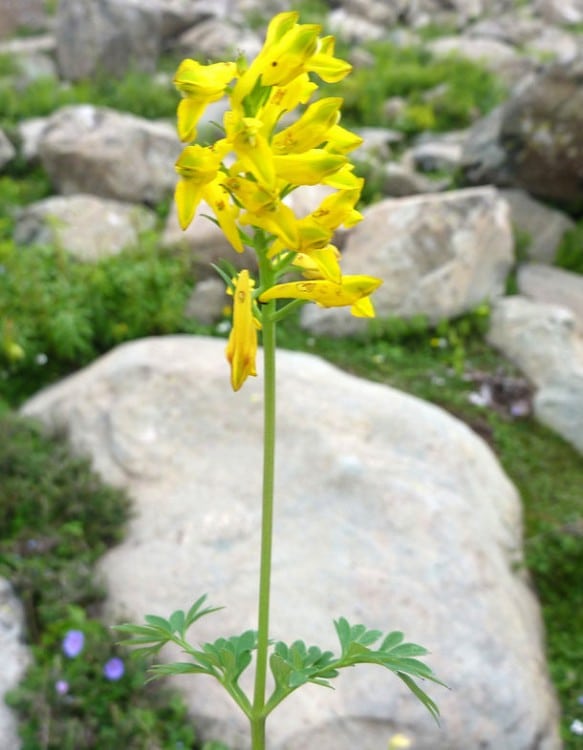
(577,727)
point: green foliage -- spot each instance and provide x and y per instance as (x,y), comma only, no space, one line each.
(70,703)
(466,90)
(570,251)
(58,314)
(136,92)
(57,519)
(292,666)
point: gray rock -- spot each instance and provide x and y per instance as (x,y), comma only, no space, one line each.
(553,286)
(87,149)
(113,36)
(15,659)
(406,520)
(207,302)
(539,338)
(353,28)
(22,14)
(29,135)
(542,340)
(483,157)
(400,180)
(439,255)
(560,11)
(541,133)
(434,156)
(7,150)
(30,45)
(215,39)
(544,226)
(85,226)
(559,406)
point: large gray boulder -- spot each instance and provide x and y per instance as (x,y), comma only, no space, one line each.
(16,15)
(113,36)
(553,286)
(85,226)
(543,341)
(439,255)
(541,133)
(542,226)
(389,511)
(87,149)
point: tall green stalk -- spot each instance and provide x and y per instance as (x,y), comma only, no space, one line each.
(258,715)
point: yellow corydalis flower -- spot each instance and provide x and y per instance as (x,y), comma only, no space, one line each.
(241,347)
(200,85)
(351,290)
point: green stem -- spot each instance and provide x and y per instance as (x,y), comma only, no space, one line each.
(269,343)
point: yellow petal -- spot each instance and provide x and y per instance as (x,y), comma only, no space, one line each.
(188,195)
(241,349)
(207,82)
(325,293)
(309,168)
(225,211)
(188,114)
(311,129)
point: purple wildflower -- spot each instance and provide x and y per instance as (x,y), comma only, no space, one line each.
(113,669)
(61,687)
(73,643)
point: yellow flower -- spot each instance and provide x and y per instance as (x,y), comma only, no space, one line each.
(338,209)
(241,347)
(310,168)
(330,69)
(311,129)
(320,264)
(352,290)
(280,63)
(200,85)
(226,212)
(264,209)
(285,99)
(251,146)
(341,140)
(197,166)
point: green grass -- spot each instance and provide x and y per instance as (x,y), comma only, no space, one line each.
(136,93)
(469,90)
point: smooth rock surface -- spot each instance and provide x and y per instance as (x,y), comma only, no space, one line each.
(96,150)
(544,226)
(543,341)
(553,286)
(113,36)
(439,256)
(85,226)
(389,511)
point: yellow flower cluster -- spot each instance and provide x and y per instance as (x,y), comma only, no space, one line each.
(266,163)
